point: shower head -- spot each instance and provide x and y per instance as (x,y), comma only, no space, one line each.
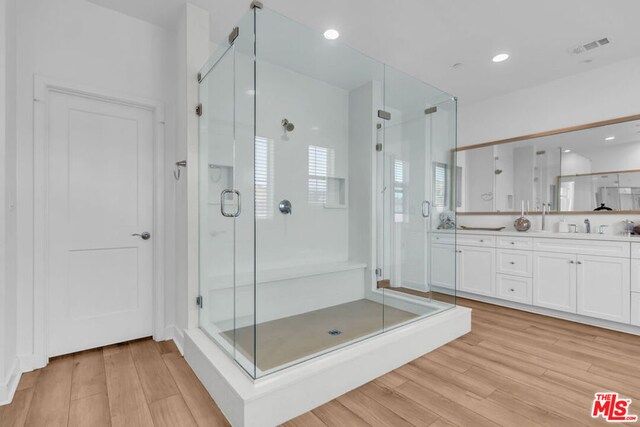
(287,125)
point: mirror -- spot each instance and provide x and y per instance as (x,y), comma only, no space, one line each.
(592,167)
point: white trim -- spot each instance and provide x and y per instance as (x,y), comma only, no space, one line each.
(42,87)
(8,390)
(591,321)
(283,395)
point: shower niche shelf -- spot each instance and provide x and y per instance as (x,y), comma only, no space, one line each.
(336,193)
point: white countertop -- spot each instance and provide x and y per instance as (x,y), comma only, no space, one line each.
(547,234)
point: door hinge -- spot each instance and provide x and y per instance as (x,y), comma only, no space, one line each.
(233,35)
(199,77)
(384,115)
(431,110)
(199,110)
(378,147)
(378,272)
(199,301)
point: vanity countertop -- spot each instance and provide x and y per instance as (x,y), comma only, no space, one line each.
(548,234)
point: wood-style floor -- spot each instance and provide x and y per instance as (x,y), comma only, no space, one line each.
(514,369)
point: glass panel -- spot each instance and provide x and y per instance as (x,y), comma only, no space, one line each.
(226,198)
(315,144)
(216,170)
(418,194)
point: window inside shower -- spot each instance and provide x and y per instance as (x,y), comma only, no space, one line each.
(323,175)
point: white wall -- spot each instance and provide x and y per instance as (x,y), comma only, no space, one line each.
(600,94)
(8,286)
(83,44)
(603,93)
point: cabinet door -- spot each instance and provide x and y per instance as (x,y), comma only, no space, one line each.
(604,287)
(443,272)
(635,273)
(635,308)
(476,270)
(554,281)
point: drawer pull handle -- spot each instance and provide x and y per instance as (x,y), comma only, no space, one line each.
(513,243)
(579,262)
(481,241)
(511,262)
(512,290)
(572,262)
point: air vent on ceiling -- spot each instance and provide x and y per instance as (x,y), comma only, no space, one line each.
(582,48)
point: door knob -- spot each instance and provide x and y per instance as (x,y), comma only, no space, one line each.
(144,235)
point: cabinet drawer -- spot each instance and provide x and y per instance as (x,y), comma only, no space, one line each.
(635,308)
(519,263)
(582,247)
(635,250)
(444,239)
(513,288)
(476,240)
(506,242)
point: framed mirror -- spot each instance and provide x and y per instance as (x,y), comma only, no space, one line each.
(588,168)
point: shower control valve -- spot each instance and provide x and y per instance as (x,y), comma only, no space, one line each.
(285,207)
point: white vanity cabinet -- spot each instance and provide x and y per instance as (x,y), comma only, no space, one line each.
(476,269)
(554,281)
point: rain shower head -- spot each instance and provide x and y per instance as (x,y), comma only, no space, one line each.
(287,125)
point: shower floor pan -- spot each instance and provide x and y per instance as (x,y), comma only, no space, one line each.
(287,393)
(284,341)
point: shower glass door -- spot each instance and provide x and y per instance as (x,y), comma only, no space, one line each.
(226,187)
(415,167)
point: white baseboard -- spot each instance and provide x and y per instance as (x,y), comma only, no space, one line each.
(174,333)
(591,321)
(283,395)
(8,388)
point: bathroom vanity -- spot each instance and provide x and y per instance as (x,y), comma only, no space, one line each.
(588,278)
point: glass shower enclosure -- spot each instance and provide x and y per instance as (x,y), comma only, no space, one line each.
(323,177)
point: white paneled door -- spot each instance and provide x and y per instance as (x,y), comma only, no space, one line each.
(99,195)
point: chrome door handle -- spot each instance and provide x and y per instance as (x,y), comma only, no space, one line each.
(426,212)
(144,235)
(238,208)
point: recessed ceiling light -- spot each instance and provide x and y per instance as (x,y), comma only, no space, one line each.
(567,151)
(331,34)
(610,138)
(500,57)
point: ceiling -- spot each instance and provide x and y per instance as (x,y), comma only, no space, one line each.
(426,37)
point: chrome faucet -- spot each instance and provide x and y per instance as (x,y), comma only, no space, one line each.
(587,226)
(601,229)
(544,216)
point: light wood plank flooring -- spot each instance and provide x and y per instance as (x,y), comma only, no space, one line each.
(514,369)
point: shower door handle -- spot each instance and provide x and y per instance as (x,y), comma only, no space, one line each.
(238,206)
(426,209)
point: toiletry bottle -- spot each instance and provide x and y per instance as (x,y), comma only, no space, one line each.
(563,226)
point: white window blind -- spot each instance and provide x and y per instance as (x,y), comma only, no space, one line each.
(400,175)
(263,174)
(439,185)
(321,166)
